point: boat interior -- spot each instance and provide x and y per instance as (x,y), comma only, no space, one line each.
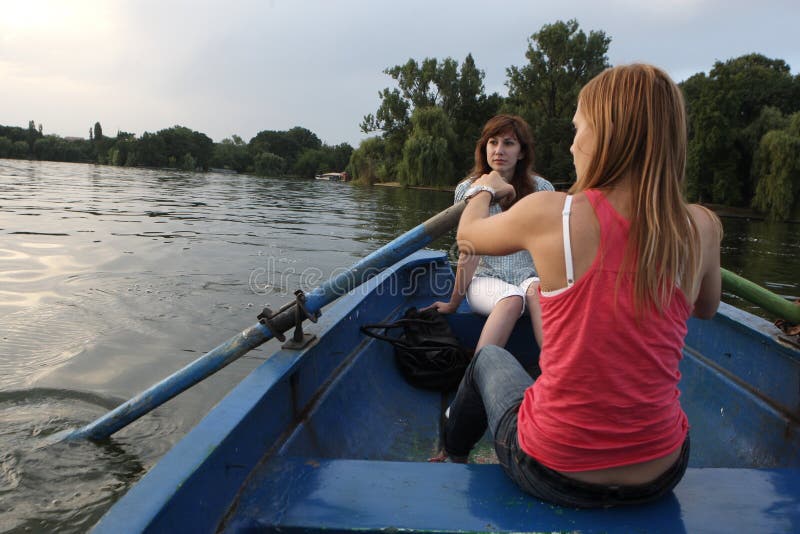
(332,438)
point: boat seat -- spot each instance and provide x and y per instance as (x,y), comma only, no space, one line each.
(343,495)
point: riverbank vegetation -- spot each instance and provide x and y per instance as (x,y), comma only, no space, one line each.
(297,152)
(744,127)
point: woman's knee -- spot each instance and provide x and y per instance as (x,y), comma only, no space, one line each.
(511,305)
(532,291)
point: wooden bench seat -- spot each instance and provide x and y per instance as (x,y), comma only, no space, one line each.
(350,495)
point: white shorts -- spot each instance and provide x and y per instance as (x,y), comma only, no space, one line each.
(485,292)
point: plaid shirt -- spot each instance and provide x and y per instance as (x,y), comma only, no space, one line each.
(513,268)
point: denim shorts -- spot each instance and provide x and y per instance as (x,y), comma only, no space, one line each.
(489,396)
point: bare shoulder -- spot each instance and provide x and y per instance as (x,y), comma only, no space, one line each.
(708,288)
(706,221)
(543,201)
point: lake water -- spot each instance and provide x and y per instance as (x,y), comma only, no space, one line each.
(113,278)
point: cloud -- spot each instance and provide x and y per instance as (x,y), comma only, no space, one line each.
(239,67)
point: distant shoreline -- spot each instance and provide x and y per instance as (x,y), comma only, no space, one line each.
(720,210)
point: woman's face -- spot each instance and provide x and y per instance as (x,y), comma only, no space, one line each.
(502,152)
(584,144)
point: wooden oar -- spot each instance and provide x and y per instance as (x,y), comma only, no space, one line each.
(252,337)
(752,292)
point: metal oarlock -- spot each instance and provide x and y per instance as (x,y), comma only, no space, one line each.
(301,313)
(265,318)
(299,338)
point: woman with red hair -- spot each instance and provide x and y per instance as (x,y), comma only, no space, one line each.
(623,261)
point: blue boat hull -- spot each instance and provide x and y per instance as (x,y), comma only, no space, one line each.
(331,438)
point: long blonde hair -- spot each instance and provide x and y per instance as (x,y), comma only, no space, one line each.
(639,118)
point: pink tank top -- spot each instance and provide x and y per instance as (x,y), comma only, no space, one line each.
(608,393)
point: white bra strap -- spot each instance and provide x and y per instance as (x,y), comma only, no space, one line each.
(567,244)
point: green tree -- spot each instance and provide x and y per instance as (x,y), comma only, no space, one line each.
(473,109)
(458,92)
(269,164)
(777,162)
(324,159)
(428,151)
(170,146)
(722,105)
(100,144)
(32,135)
(14,133)
(286,144)
(368,162)
(339,155)
(188,163)
(123,150)
(232,154)
(310,163)
(561,60)
(304,138)
(5,147)
(151,151)
(55,148)
(20,150)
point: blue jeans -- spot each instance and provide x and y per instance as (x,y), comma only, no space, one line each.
(490,395)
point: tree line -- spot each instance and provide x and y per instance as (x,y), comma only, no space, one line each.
(744,119)
(744,127)
(297,151)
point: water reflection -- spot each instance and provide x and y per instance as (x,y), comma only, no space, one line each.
(767,253)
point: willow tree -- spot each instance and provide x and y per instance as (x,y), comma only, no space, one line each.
(722,105)
(269,164)
(456,90)
(428,152)
(367,162)
(777,162)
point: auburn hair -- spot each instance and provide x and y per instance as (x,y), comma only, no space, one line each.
(639,118)
(523,170)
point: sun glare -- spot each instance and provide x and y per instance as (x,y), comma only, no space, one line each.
(22,16)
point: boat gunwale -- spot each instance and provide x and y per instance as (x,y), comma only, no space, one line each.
(177,469)
(147,500)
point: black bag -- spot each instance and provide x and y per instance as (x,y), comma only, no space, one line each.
(427,353)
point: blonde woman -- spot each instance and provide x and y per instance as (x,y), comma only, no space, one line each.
(623,262)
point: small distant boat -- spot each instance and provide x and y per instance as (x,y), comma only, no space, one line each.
(334,177)
(330,438)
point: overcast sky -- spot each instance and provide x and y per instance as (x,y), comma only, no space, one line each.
(239,67)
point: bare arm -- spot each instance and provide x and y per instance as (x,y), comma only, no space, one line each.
(504,233)
(706,301)
(465,270)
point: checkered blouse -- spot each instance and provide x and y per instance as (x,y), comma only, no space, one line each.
(513,268)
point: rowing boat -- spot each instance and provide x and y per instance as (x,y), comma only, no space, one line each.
(329,437)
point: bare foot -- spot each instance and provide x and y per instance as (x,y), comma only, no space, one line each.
(439,458)
(443,457)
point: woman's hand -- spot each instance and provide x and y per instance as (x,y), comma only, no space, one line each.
(504,191)
(442,307)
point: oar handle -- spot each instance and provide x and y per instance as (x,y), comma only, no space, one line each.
(760,296)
